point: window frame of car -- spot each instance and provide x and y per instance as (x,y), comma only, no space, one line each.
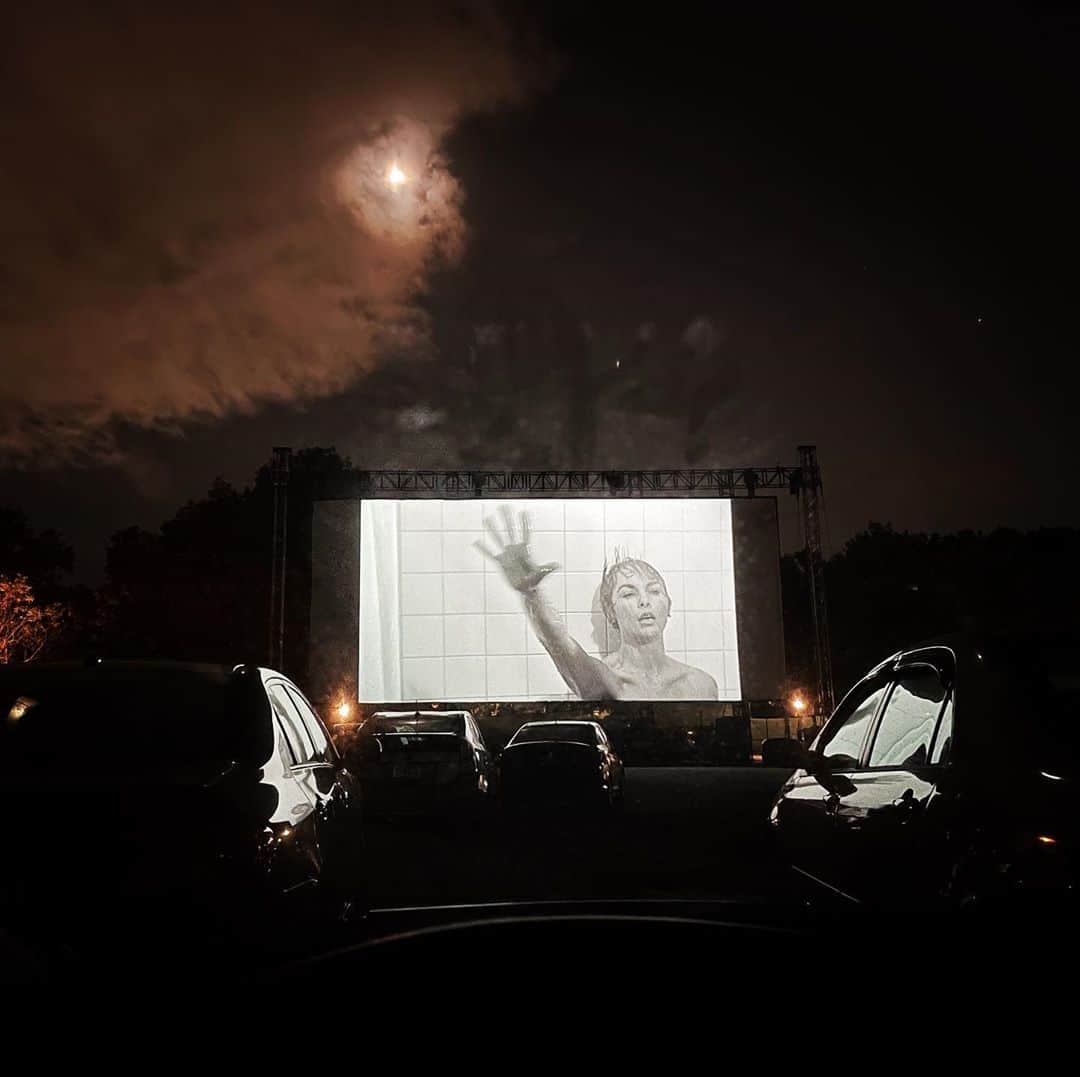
(597,733)
(293,720)
(328,754)
(877,681)
(942,662)
(472,733)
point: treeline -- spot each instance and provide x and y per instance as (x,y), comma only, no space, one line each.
(888,589)
(197,588)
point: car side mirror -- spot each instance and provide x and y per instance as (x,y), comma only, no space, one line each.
(821,770)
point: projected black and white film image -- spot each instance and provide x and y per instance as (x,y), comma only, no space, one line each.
(593,599)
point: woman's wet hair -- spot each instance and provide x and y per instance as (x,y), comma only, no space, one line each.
(624,566)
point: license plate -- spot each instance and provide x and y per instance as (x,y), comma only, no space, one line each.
(411,771)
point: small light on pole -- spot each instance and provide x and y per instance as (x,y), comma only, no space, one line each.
(798,703)
(344,710)
(395,177)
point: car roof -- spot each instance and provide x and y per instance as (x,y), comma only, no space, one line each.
(122,665)
(115,672)
(966,648)
(560,721)
(422,714)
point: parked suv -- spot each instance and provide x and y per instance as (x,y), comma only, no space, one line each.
(947,773)
(201,796)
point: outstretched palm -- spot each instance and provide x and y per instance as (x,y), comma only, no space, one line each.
(511,552)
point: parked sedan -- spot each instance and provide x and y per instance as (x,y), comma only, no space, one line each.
(423,762)
(568,763)
(206,798)
(947,774)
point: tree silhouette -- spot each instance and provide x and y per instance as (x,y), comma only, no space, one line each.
(27,626)
(198,589)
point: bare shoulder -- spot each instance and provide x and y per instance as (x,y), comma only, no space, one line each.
(697,683)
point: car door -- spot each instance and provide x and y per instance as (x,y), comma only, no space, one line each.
(805,813)
(888,830)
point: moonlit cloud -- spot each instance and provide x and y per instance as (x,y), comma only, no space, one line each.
(197,220)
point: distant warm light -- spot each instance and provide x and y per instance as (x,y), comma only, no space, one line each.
(798,704)
(19,708)
(395,177)
(1045,839)
(344,709)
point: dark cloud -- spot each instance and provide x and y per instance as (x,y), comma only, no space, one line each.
(195,215)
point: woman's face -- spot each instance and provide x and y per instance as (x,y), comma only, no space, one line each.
(641,606)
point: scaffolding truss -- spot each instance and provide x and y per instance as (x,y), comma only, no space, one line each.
(715,482)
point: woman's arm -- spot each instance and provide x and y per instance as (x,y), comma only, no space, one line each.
(586,676)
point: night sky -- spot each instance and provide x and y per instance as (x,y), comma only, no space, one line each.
(635,240)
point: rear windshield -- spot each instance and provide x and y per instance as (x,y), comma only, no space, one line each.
(436,723)
(392,745)
(150,718)
(576,732)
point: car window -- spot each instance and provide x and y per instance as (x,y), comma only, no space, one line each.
(907,723)
(843,739)
(312,725)
(410,723)
(299,742)
(943,739)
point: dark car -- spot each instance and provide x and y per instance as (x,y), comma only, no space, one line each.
(420,762)
(560,762)
(197,796)
(946,776)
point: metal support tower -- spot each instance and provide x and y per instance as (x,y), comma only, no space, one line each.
(808,488)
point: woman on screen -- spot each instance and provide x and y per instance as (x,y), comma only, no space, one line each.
(634,599)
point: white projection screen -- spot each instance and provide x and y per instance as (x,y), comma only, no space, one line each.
(602,598)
